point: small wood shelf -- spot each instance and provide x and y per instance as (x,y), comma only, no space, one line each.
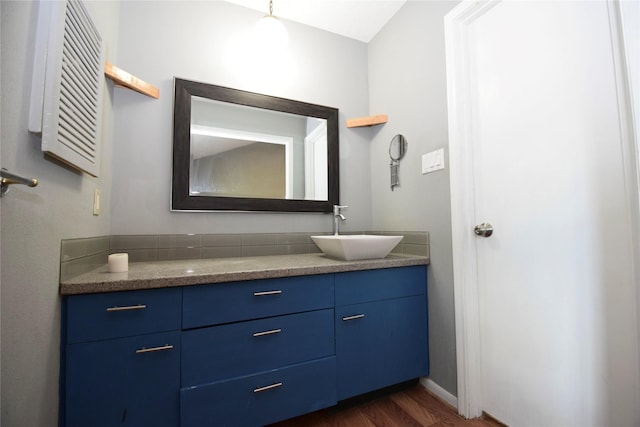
(367,121)
(122,78)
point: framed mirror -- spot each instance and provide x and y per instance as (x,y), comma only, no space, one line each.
(245,151)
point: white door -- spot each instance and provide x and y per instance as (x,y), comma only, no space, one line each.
(0,258)
(541,141)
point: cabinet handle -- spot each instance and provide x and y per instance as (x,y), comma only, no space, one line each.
(129,307)
(357,316)
(267,387)
(260,294)
(152,349)
(271,332)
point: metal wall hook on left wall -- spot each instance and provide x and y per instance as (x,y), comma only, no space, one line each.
(9,178)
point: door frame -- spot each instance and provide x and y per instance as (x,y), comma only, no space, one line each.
(463,219)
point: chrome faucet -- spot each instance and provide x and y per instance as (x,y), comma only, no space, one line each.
(337,217)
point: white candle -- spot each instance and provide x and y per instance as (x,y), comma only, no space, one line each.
(118,263)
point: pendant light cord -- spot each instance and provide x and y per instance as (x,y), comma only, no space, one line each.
(271,7)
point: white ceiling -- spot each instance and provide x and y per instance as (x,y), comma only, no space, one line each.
(356,19)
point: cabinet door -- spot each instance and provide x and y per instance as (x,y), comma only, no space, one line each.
(129,382)
(380,343)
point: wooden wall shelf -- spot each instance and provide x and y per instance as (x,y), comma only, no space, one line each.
(122,78)
(367,121)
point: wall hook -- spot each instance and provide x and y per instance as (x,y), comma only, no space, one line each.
(8,178)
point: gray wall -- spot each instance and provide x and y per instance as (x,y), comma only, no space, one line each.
(205,41)
(35,220)
(407,81)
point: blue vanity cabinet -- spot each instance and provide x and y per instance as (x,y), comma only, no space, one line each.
(121,359)
(246,353)
(381,328)
(257,352)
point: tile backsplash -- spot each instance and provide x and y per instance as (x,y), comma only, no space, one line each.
(78,256)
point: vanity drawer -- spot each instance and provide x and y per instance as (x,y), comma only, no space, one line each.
(237,301)
(356,287)
(263,398)
(219,352)
(94,317)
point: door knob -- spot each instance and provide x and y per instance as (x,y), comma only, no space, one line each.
(483,230)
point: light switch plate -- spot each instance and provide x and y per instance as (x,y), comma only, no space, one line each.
(425,163)
(433,161)
(96,202)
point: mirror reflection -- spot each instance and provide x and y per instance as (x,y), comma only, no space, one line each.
(239,150)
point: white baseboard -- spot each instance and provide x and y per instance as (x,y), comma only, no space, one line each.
(443,394)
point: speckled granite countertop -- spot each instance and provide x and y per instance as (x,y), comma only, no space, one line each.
(162,274)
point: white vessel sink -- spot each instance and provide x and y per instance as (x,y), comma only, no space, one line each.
(360,246)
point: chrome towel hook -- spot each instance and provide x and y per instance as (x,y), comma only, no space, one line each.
(8,178)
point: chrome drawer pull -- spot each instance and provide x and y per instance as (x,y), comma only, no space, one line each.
(129,307)
(357,316)
(152,349)
(267,387)
(271,332)
(260,294)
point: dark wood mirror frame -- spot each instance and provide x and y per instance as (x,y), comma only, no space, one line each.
(181,198)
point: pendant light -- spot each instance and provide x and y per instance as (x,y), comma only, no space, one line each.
(269,32)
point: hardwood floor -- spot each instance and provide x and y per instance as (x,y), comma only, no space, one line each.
(411,407)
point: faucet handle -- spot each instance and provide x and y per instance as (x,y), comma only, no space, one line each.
(336,209)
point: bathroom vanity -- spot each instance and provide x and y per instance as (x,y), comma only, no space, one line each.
(230,343)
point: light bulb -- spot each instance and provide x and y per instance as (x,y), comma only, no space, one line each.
(270,33)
